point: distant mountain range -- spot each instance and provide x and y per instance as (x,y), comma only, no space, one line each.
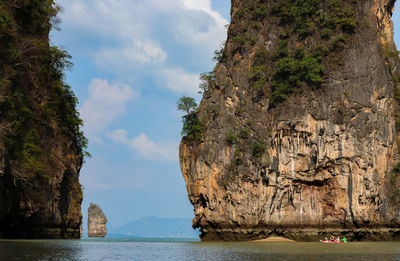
(154,227)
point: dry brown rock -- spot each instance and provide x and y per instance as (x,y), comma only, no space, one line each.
(329,150)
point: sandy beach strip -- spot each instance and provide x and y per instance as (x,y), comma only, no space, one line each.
(273,239)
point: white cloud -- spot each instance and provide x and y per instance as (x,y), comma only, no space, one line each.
(179,81)
(106,102)
(146,38)
(215,33)
(123,59)
(147,148)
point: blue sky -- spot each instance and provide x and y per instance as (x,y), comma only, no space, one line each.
(132,60)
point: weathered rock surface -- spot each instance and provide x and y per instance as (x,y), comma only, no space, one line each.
(40,141)
(96,221)
(329,151)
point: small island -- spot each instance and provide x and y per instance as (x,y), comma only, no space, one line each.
(96,221)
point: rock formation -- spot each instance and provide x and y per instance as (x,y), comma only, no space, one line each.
(41,145)
(96,221)
(300,121)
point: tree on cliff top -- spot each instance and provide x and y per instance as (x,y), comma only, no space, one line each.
(192,127)
(187,104)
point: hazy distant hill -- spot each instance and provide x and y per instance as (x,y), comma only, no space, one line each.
(154,227)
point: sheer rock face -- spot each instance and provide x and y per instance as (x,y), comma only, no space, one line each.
(96,222)
(40,159)
(329,151)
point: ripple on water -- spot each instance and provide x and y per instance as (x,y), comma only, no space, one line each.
(134,249)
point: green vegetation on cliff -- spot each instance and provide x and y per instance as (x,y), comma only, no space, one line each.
(42,147)
(296,61)
(324,57)
(35,102)
(231,138)
(192,128)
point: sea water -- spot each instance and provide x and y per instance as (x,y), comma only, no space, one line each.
(170,249)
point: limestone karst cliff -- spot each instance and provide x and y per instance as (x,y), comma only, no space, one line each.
(300,122)
(96,221)
(41,145)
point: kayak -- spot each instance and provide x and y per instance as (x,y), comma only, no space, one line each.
(331,242)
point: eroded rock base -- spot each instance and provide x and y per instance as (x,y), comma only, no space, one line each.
(309,235)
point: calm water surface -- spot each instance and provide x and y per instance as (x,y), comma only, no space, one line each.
(131,249)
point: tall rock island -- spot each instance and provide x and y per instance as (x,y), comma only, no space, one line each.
(300,123)
(41,145)
(96,221)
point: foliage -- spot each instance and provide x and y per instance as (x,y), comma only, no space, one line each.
(5,18)
(241,40)
(291,73)
(35,101)
(302,13)
(326,33)
(348,24)
(299,53)
(219,54)
(295,11)
(244,134)
(258,149)
(59,61)
(300,19)
(321,50)
(282,50)
(395,173)
(205,81)
(240,13)
(65,101)
(397,92)
(258,75)
(187,104)
(192,127)
(238,159)
(389,52)
(260,55)
(260,12)
(31,156)
(231,138)
(258,72)
(338,43)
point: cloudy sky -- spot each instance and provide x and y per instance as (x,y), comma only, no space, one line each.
(132,60)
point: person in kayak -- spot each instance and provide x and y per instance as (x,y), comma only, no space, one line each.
(344,240)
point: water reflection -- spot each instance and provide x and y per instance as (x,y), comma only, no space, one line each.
(128,249)
(41,250)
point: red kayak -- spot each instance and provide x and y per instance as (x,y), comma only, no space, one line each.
(332,241)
